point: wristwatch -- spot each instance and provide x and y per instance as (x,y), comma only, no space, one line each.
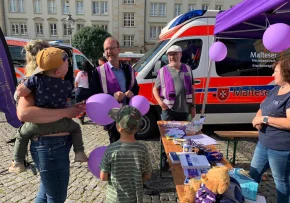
(265,119)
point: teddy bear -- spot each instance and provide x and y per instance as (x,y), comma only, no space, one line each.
(216,181)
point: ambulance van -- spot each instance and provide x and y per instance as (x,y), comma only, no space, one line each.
(238,84)
(17,53)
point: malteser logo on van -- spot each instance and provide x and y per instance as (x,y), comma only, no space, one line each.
(223,94)
(262,59)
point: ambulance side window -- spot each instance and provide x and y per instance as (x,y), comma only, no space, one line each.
(245,57)
(79,60)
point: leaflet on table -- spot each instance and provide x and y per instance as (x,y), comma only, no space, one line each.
(188,161)
(202,139)
(174,133)
(174,156)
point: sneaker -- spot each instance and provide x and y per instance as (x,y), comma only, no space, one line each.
(16,167)
(81,157)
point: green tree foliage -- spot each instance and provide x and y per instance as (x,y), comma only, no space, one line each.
(90,40)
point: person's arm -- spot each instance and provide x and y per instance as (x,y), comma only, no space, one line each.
(22,91)
(147,170)
(193,107)
(104,176)
(156,94)
(105,167)
(281,123)
(76,84)
(27,112)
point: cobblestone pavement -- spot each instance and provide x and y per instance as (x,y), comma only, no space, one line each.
(84,187)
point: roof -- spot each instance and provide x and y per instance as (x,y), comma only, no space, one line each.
(250,18)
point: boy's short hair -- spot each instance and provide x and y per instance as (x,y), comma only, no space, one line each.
(127,117)
(49,59)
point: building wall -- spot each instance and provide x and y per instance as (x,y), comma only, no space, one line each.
(144,22)
(2,17)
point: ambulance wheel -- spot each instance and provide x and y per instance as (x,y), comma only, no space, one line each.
(148,127)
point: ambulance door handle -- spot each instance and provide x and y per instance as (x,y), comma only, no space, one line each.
(196,82)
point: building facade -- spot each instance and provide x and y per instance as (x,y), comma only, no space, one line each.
(135,23)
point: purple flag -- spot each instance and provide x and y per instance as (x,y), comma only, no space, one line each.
(7,84)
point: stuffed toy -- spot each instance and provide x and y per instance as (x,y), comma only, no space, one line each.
(215,182)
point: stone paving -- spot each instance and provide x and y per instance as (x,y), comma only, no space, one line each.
(85,188)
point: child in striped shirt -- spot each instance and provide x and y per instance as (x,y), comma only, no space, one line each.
(126,163)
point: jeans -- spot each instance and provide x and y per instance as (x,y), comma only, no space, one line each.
(29,130)
(82,94)
(170,115)
(51,157)
(279,162)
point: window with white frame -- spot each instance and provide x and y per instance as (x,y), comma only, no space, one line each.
(19,28)
(218,7)
(80,7)
(53,29)
(39,29)
(21,6)
(128,40)
(51,7)
(128,1)
(177,9)
(23,28)
(191,7)
(65,7)
(15,28)
(37,6)
(79,26)
(65,30)
(17,6)
(100,7)
(205,6)
(155,32)
(129,20)
(103,26)
(158,9)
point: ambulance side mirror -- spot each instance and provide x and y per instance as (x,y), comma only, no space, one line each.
(157,67)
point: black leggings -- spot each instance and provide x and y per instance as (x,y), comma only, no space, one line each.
(82,94)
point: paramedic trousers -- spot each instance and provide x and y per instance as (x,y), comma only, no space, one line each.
(51,157)
(170,115)
(279,162)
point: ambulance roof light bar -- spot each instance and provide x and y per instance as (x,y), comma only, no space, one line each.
(187,16)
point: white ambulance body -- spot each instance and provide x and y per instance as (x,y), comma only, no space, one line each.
(238,84)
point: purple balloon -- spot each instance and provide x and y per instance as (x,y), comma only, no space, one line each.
(98,107)
(218,51)
(276,38)
(140,103)
(95,159)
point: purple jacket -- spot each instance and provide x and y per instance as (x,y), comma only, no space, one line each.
(167,90)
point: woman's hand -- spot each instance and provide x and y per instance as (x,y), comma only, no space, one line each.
(72,112)
(258,122)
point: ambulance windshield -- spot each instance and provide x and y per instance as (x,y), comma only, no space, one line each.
(149,55)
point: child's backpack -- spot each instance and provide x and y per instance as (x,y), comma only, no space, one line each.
(233,194)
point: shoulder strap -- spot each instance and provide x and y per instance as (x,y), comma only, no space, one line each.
(162,81)
(103,78)
(190,73)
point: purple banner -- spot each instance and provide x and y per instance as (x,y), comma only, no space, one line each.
(7,84)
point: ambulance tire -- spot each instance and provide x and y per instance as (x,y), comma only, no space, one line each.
(148,128)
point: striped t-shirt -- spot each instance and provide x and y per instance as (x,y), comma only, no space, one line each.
(126,163)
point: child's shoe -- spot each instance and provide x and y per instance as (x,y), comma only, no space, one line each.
(16,167)
(81,157)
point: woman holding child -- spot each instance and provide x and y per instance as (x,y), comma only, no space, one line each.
(50,152)
(273,122)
